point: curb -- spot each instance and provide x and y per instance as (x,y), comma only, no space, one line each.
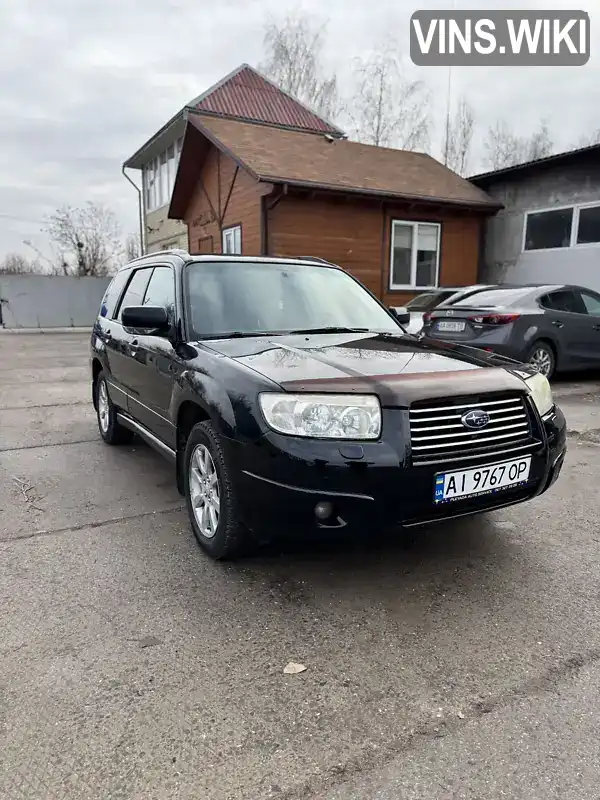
(25,331)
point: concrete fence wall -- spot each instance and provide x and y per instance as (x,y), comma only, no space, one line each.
(39,301)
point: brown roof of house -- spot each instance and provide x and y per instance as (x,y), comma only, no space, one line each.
(242,94)
(246,94)
(276,155)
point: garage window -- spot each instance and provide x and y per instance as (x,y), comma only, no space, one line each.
(548,229)
(562,227)
(415,255)
(588,228)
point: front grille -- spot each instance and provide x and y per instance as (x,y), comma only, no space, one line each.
(438,435)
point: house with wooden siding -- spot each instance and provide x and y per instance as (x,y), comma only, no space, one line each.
(243,94)
(400,221)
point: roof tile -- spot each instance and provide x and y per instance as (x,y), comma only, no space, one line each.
(279,155)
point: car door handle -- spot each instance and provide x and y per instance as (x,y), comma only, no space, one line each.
(558,324)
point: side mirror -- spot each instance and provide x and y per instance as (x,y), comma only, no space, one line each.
(153,318)
(401,314)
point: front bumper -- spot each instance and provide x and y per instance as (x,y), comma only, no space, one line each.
(280,480)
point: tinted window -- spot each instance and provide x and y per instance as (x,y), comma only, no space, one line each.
(493,298)
(591,302)
(252,296)
(161,289)
(563,300)
(136,288)
(589,225)
(546,229)
(427,300)
(112,294)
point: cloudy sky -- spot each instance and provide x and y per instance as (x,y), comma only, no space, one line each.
(84,84)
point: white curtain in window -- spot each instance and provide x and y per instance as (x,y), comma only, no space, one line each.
(172,170)
(232,240)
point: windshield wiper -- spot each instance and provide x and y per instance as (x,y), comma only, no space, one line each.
(237,335)
(330,329)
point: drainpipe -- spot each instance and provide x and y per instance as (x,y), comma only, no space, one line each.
(140,212)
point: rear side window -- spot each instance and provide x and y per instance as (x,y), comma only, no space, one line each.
(136,289)
(113,292)
(564,300)
(591,302)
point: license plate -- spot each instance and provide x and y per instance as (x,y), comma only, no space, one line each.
(481,480)
(451,326)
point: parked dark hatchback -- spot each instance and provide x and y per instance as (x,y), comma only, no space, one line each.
(553,328)
(288,396)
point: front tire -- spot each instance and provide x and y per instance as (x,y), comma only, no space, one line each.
(110,429)
(541,356)
(209,495)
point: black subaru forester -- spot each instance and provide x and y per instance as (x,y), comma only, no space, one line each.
(288,396)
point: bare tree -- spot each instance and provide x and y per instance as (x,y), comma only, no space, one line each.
(505,149)
(458,138)
(387,108)
(132,247)
(539,144)
(16,264)
(500,145)
(294,55)
(587,140)
(88,239)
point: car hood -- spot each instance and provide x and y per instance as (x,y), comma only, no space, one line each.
(399,369)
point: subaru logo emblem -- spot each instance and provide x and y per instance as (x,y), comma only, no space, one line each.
(475,419)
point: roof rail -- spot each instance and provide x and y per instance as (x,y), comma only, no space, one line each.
(314,258)
(173,252)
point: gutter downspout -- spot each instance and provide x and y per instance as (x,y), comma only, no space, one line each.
(140,210)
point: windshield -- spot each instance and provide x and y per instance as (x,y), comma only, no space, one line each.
(223,297)
(493,298)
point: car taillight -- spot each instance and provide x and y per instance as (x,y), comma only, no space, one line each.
(494,319)
(427,318)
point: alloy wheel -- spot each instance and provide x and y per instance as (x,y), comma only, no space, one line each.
(205,491)
(541,360)
(103,407)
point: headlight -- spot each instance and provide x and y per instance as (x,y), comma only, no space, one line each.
(541,393)
(323,416)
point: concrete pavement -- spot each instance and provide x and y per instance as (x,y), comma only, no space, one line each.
(133,667)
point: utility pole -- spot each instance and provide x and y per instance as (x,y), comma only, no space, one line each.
(448,107)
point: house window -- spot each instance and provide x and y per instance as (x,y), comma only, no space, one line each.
(150,185)
(588,227)
(159,177)
(232,240)
(548,229)
(172,169)
(415,255)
